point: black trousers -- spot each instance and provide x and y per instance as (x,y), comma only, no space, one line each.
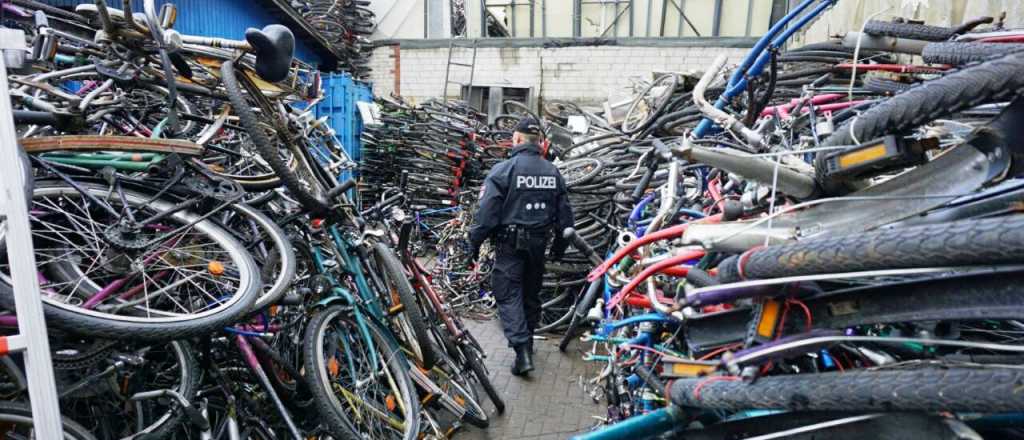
(516,280)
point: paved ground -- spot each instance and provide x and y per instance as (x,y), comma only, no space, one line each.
(550,404)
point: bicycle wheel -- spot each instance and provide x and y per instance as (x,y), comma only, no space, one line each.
(16,422)
(580,171)
(262,144)
(100,402)
(989,241)
(644,109)
(271,248)
(358,377)
(912,31)
(412,320)
(193,278)
(474,360)
(992,81)
(959,53)
(506,122)
(235,158)
(955,389)
(450,389)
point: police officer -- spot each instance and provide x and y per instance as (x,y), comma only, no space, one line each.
(522,201)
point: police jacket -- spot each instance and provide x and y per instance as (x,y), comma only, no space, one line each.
(525,190)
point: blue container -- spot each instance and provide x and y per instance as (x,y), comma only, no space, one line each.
(212,18)
(341,93)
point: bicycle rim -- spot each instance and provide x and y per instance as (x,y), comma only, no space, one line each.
(166,298)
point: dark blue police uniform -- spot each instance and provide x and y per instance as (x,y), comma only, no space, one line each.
(523,201)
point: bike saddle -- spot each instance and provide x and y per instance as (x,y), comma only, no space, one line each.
(274,46)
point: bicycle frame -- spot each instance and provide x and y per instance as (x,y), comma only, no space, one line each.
(424,285)
(757,58)
(639,427)
(340,293)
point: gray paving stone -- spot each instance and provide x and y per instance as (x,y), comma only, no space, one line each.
(548,405)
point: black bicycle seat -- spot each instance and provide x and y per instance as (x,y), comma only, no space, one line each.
(274,46)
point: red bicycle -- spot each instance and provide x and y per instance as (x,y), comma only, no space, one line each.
(448,330)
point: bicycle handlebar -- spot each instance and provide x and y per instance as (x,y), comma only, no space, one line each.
(341,189)
(34,117)
(580,312)
(386,203)
(645,181)
(659,153)
(582,245)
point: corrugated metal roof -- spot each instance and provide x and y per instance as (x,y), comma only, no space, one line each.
(213,18)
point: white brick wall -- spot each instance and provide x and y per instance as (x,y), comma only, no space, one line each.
(588,74)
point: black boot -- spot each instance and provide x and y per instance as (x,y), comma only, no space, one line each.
(529,346)
(524,361)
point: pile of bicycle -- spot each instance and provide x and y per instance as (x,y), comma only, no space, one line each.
(444,149)
(819,242)
(346,25)
(204,271)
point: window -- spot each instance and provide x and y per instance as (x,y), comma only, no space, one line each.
(616,18)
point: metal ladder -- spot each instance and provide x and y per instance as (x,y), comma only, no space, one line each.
(448,69)
(31,338)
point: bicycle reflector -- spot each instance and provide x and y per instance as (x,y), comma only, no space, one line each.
(675,368)
(878,156)
(767,320)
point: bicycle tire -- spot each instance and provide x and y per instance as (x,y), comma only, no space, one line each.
(988,241)
(506,122)
(653,113)
(913,31)
(595,166)
(413,311)
(885,86)
(285,256)
(569,335)
(957,389)
(958,53)
(188,390)
(809,74)
(106,326)
(476,365)
(992,81)
(548,307)
(795,58)
(17,412)
(560,109)
(459,397)
(260,182)
(325,401)
(262,143)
